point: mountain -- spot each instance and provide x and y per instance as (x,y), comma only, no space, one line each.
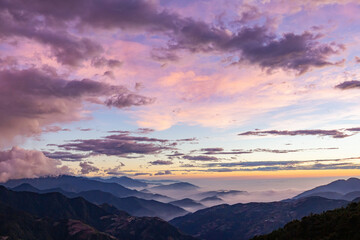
(80,184)
(25,187)
(243,221)
(339,224)
(76,218)
(124,181)
(333,189)
(188,204)
(180,186)
(133,205)
(16,224)
(219,194)
(212,200)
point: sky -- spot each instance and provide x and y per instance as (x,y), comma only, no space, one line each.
(179,88)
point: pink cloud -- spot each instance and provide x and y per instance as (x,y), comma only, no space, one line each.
(19,163)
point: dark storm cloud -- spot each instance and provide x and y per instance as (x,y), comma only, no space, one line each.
(33,99)
(161,162)
(254,44)
(348,85)
(312,132)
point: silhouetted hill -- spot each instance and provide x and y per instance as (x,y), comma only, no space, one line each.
(53,211)
(176,187)
(132,205)
(243,221)
(16,225)
(219,194)
(213,199)
(124,181)
(333,190)
(188,204)
(80,184)
(339,224)
(135,206)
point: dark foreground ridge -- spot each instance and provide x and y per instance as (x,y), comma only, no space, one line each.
(244,221)
(52,216)
(339,224)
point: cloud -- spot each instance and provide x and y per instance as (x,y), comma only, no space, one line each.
(87,168)
(218,149)
(65,156)
(32,100)
(348,85)
(128,100)
(254,44)
(316,164)
(103,62)
(121,145)
(312,132)
(161,162)
(19,163)
(166,172)
(200,158)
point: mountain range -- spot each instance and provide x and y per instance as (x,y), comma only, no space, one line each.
(83,208)
(340,189)
(132,205)
(28,215)
(243,221)
(339,224)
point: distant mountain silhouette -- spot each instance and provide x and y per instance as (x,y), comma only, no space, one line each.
(31,215)
(340,189)
(80,184)
(177,186)
(339,224)
(15,224)
(213,199)
(188,204)
(243,221)
(124,181)
(132,205)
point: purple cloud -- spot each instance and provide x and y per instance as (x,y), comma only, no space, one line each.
(19,163)
(166,172)
(47,98)
(348,85)
(161,162)
(200,158)
(312,132)
(87,168)
(253,44)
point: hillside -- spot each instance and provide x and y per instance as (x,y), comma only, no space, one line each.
(243,221)
(335,190)
(54,214)
(339,224)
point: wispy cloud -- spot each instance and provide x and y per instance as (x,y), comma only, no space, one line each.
(310,132)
